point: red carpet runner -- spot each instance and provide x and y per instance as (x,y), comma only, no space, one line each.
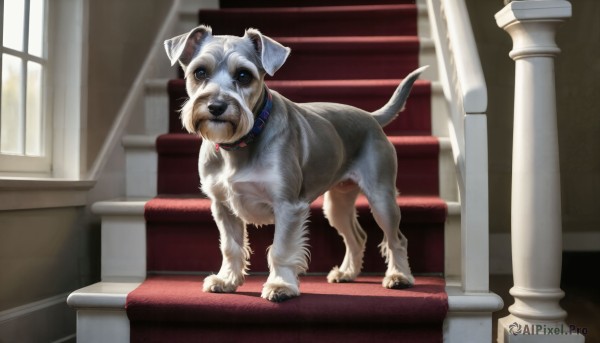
(362,311)
(347,54)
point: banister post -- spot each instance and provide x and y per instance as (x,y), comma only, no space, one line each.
(536,227)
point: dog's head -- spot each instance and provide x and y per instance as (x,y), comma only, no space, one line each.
(224,79)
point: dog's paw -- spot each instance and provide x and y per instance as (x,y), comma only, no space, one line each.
(338,276)
(215,284)
(279,291)
(398,281)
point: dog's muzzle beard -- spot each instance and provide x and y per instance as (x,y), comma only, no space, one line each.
(232,125)
(234,122)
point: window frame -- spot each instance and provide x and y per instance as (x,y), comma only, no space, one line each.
(67,184)
(22,164)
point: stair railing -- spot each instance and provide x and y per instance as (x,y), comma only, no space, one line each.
(465,91)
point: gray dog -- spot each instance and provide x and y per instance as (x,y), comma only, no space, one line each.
(264,159)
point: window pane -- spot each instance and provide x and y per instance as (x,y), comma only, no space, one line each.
(36,27)
(11,132)
(14,15)
(33,120)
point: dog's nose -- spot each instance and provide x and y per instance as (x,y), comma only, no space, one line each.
(217,108)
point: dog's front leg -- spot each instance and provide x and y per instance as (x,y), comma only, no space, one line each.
(234,248)
(288,256)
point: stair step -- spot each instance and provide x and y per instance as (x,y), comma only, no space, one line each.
(384,20)
(339,58)
(418,159)
(173,308)
(304,3)
(182,236)
(351,57)
(368,95)
(104,303)
(178,163)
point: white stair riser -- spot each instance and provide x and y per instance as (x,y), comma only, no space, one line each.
(469,317)
(156,100)
(141,173)
(100,326)
(141,164)
(123,248)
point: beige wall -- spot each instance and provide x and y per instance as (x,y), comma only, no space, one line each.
(120,34)
(578,100)
(40,254)
(578,107)
(45,253)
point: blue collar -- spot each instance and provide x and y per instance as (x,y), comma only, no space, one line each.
(259,124)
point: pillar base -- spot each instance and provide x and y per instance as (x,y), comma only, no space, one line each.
(512,329)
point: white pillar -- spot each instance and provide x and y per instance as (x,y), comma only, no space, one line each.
(536,231)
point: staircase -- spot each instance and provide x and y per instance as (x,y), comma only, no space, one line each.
(160,241)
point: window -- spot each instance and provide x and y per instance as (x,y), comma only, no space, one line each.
(41,161)
(24,117)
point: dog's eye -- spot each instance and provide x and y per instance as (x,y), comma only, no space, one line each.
(243,77)
(200,74)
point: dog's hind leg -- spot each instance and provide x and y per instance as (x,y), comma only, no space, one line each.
(234,248)
(394,245)
(288,256)
(340,210)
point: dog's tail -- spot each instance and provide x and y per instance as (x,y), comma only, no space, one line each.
(390,111)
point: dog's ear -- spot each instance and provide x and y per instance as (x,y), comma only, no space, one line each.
(183,47)
(272,54)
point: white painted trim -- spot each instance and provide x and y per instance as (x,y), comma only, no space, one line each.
(423,28)
(26,309)
(462,80)
(102,295)
(101,313)
(69,82)
(193,6)
(141,165)
(475,208)
(426,46)
(156,104)
(581,241)
(536,223)
(500,254)
(469,74)
(467,327)
(65,99)
(469,316)
(66,338)
(101,304)
(453,208)
(516,11)
(427,57)
(123,255)
(120,207)
(26,193)
(448,187)
(101,326)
